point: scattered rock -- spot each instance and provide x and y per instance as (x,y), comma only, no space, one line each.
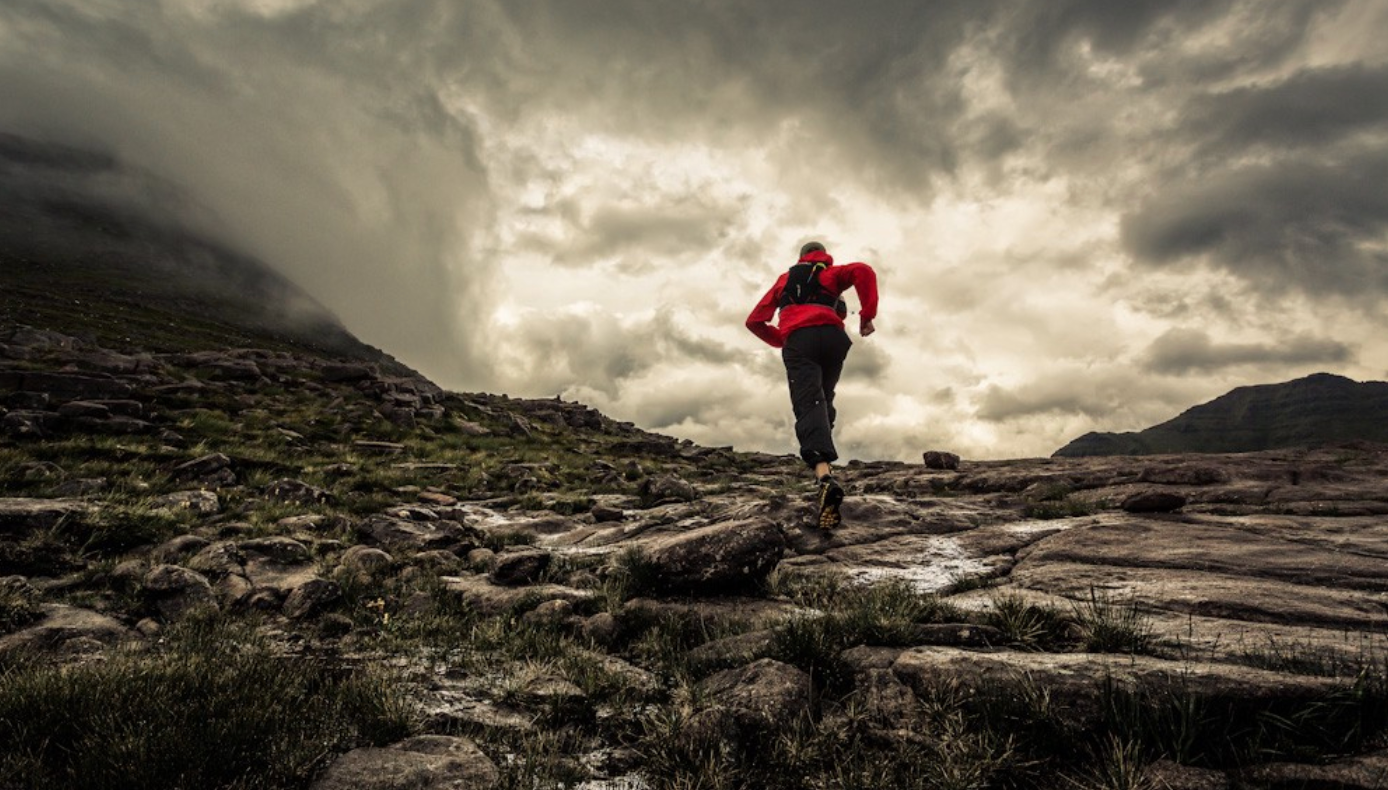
(205,466)
(717,558)
(763,696)
(665,490)
(403,535)
(176,591)
(297,492)
(201,502)
(82,487)
(310,598)
(519,566)
(59,624)
(366,560)
(425,762)
(601,629)
(1369,772)
(23,514)
(179,549)
(285,551)
(603,514)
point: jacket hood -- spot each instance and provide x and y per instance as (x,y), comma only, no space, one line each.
(818,256)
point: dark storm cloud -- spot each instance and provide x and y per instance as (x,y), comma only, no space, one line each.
(310,139)
(1308,225)
(1315,107)
(1185,351)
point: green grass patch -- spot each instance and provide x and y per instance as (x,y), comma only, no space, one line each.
(214,707)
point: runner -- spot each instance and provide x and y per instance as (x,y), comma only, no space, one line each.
(810,333)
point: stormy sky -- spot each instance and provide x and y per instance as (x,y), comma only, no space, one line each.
(1085,215)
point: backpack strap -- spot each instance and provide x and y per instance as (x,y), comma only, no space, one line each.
(803,286)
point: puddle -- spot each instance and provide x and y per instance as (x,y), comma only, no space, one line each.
(938,567)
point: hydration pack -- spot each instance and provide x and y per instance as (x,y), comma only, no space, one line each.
(803,287)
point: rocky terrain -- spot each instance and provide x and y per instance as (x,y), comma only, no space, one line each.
(1311,411)
(263,568)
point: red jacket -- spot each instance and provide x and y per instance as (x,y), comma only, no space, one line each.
(834,279)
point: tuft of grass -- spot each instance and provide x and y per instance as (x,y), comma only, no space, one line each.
(1110,626)
(1027,625)
(16,610)
(886,613)
(214,708)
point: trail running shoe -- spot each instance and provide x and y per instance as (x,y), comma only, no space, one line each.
(830,497)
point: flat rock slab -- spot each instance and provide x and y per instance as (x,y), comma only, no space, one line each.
(60,624)
(479,593)
(1210,594)
(1193,543)
(425,762)
(19,514)
(1076,682)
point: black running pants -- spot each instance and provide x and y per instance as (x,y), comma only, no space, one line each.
(814,359)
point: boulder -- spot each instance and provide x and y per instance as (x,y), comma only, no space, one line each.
(519,566)
(935,459)
(398,534)
(716,558)
(176,591)
(762,697)
(366,560)
(218,559)
(311,598)
(1154,502)
(425,762)
(665,490)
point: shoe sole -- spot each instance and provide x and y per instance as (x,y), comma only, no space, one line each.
(829,516)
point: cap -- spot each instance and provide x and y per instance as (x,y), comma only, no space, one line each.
(811,247)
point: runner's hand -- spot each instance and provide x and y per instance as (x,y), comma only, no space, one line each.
(866,328)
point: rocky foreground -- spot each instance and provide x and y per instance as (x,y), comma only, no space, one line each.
(562,600)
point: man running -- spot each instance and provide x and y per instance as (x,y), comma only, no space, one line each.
(814,344)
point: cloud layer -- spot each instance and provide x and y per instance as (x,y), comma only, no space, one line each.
(1085,215)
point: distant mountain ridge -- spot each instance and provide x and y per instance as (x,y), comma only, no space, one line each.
(1315,410)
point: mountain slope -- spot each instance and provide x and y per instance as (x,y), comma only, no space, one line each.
(83,252)
(1306,412)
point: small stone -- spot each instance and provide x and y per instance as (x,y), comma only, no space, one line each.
(202,467)
(296,492)
(436,498)
(200,502)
